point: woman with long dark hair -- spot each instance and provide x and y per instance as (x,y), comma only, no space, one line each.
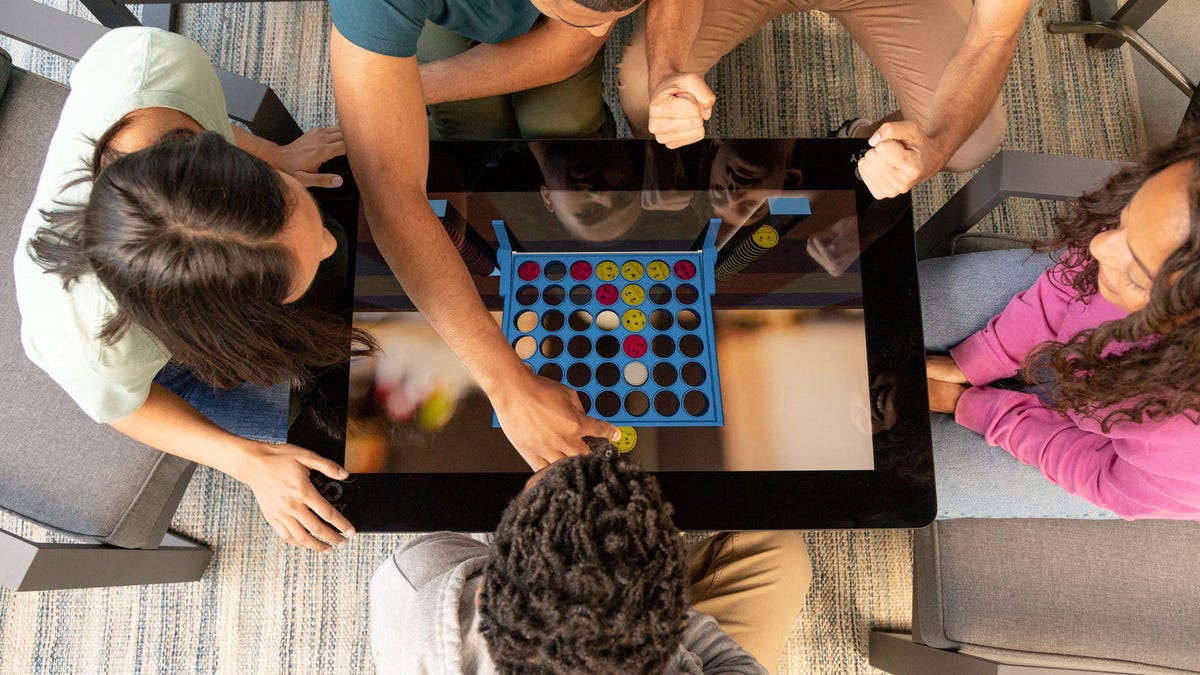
(1106,344)
(167,287)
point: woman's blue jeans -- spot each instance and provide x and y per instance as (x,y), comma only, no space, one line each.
(253,411)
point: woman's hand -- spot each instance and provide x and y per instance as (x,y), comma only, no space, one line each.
(944,368)
(306,154)
(544,420)
(278,476)
(943,396)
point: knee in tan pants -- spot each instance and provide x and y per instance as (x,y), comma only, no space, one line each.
(754,584)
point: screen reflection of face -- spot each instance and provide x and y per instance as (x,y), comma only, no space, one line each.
(593,194)
(743,174)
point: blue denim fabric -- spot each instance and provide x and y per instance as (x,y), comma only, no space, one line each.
(959,295)
(251,411)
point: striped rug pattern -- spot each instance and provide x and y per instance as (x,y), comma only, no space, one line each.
(264,607)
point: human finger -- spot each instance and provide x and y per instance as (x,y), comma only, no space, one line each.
(537,463)
(904,161)
(673,141)
(320,506)
(301,537)
(694,84)
(876,179)
(319,528)
(660,126)
(322,464)
(676,105)
(318,180)
(281,532)
(599,429)
(330,150)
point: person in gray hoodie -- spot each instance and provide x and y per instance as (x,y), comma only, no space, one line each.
(587,573)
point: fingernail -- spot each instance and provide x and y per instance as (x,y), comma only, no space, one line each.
(337,181)
(343,474)
(617,436)
(873,140)
(349,533)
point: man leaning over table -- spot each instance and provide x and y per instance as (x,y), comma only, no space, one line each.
(511,62)
(945,60)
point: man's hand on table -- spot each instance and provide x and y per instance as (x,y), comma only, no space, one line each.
(544,420)
(679,105)
(901,156)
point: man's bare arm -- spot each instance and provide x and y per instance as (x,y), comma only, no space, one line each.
(907,153)
(550,52)
(973,78)
(680,101)
(382,115)
(671,28)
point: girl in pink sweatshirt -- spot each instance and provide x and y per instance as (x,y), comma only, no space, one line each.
(1109,339)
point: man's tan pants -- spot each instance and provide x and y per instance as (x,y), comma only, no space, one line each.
(754,584)
(909,41)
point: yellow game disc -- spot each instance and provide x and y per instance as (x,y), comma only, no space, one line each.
(628,439)
(658,270)
(634,320)
(765,236)
(606,270)
(632,270)
(633,295)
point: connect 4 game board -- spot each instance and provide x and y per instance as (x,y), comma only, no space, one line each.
(632,332)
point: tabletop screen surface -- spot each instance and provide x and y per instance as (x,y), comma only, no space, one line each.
(788,334)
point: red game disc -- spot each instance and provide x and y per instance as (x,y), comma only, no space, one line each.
(581,270)
(635,346)
(607,294)
(529,270)
(684,269)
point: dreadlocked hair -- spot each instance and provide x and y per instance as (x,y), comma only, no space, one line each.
(586,573)
(1156,373)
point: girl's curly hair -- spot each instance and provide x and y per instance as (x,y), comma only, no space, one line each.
(1158,374)
(586,573)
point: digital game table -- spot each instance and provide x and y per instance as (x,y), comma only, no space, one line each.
(742,308)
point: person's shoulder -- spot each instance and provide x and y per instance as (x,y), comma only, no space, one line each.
(388,27)
(132,47)
(428,556)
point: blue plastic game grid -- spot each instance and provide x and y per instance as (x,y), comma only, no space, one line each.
(631,331)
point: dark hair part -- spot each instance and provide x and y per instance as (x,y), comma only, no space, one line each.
(1158,375)
(609,5)
(184,235)
(586,573)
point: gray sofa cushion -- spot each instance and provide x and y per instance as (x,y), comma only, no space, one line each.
(1116,590)
(57,466)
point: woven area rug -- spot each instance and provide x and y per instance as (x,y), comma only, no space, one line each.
(264,607)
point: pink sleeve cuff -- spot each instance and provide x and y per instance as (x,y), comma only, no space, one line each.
(975,407)
(978,361)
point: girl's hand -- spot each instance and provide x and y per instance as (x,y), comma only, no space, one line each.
(278,476)
(306,154)
(944,369)
(544,420)
(943,396)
